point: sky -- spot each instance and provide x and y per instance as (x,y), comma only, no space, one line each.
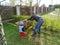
(46,2)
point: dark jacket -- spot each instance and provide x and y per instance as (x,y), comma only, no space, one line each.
(34,17)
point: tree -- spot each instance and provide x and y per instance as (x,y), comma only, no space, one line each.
(57,6)
(38,3)
(12,2)
(2,35)
(29,4)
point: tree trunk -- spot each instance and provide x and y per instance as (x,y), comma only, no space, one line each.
(2,35)
(18,10)
(31,7)
(38,3)
(35,9)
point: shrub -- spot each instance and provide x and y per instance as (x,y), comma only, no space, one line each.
(17,18)
(51,24)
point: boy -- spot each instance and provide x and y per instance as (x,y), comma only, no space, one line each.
(21,29)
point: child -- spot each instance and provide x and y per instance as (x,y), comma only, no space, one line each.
(21,29)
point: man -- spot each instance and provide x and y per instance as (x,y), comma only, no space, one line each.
(39,20)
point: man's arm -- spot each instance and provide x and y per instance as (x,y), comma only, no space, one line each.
(31,18)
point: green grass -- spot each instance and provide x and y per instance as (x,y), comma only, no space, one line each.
(12,36)
(50,37)
(50,16)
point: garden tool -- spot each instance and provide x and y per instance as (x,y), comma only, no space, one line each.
(27,25)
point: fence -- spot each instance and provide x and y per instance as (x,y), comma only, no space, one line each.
(8,11)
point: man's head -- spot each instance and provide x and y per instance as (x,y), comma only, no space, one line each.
(33,14)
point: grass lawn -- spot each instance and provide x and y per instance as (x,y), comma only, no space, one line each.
(12,35)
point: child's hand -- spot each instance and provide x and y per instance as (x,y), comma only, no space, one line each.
(25,20)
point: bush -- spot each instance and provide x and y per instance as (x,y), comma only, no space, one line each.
(51,24)
(32,23)
(17,18)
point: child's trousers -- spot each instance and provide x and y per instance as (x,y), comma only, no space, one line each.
(23,35)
